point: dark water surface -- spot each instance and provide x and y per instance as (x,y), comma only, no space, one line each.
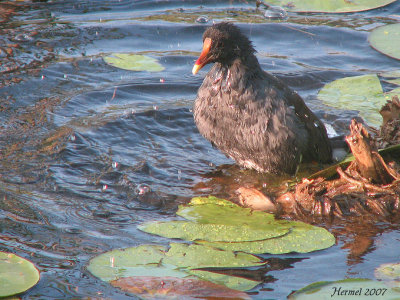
(89,151)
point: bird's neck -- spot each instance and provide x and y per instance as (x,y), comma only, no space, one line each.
(237,72)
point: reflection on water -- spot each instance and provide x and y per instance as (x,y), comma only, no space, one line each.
(89,151)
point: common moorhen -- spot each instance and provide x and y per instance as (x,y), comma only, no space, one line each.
(250,115)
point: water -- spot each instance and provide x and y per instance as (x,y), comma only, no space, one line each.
(89,151)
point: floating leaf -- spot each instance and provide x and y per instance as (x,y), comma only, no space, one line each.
(233,282)
(157,261)
(388,272)
(363,93)
(391,74)
(350,288)
(211,200)
(386,39)
(279,236)
(133,62)
(192,231)
(302,238)
(331,6)
(143,260)
(220,211)
(176,288)
(16,274)
(394,81)
(199,256)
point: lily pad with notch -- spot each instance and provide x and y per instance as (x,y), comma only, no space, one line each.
(262,233)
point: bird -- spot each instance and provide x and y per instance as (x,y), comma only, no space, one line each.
(250,115)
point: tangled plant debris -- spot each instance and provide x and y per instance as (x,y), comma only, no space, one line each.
(369,185)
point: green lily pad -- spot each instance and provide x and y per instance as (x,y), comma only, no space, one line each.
(386,39)
(394,81)
(331,6)
(178,262)
(211,200)
(221,224)
(388,272)
(143,260)
(363,93)
(233,282)
(302,238)
(192,231)
(212,210)
(391,74)
(199,256)
(354,288)
(133,62)
(16,274)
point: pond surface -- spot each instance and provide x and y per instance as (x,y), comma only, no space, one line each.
(89,151)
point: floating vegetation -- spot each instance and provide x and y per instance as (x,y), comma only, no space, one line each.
(16,274)
(386,39)
(133,62)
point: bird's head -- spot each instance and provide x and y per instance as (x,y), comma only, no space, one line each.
(223,43)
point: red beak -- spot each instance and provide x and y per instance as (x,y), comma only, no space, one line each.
(204,56)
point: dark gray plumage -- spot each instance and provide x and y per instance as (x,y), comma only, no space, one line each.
(250,115)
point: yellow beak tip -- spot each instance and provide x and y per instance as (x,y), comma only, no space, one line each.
(196,69)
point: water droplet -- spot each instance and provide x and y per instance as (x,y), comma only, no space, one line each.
(142,189)
(115,165)
(276,13)
(202,19)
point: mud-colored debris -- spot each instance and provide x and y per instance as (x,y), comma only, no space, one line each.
(389,133)
(369,164)
(254,199)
